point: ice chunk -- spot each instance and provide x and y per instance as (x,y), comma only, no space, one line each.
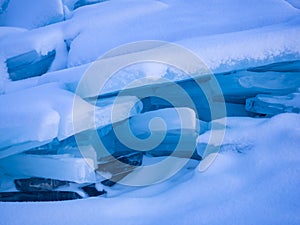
(29,64)
(272,104)
(173,118)
(49,112)
(31,53)
(239,39)
(59,167)
(158,132)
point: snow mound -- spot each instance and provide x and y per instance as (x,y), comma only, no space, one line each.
(258,186)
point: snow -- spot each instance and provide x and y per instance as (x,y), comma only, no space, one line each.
(260,36)
(252,46)
(10,30)
(260,185)
(32,14)
(49,115)
(242,49)
(160,24)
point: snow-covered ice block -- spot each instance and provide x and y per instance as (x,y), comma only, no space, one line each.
(31,14)
(273,104)
(35,116)
(59,167)
(29,64)
(171,119)
(157,132)
(31,53)
(70,77)
(240,37)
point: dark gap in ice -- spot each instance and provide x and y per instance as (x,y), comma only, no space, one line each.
(38,196)
(92,191)
(38,184)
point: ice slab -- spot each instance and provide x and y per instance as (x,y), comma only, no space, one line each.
(36,116)
(156,133)
(239,38)
(170,119)
(273,104)
(29,64)
(59,167)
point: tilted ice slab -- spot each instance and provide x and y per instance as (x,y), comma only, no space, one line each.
(248,32)
(35,116)
(242,37)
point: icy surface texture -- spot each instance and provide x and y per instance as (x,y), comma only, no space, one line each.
(272,105)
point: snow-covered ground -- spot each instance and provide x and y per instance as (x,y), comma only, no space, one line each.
(253,47)
(254,180)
